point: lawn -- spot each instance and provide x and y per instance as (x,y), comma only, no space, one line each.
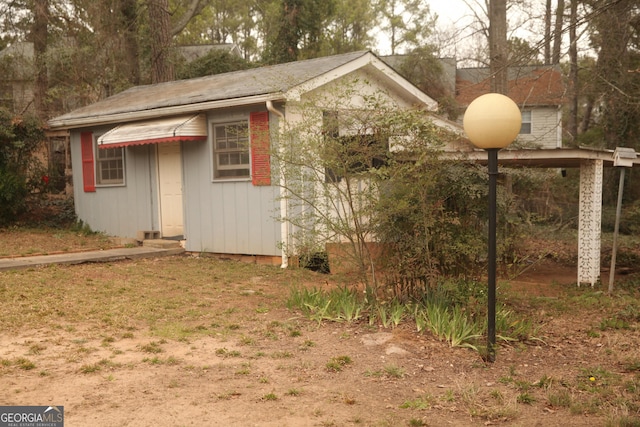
(194,340)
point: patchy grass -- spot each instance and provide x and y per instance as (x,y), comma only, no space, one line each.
(187,324)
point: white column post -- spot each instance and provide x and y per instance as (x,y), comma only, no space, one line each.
(590,218)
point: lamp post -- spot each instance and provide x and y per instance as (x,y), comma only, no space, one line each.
(492,121)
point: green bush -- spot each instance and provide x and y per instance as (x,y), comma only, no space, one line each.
(19,139)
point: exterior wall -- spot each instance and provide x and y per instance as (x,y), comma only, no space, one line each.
(546,128)
(119,210)
(234,216)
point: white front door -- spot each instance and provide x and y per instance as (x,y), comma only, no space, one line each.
(170,181)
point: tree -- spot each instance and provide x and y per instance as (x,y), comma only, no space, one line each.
(613,36)
(39,36)
(301,32)
(19,138)
(408,23)
(162,69)
(215,62)
(349,31)
(498,60)
(342,162)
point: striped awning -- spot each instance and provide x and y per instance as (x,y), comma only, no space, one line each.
(181,128)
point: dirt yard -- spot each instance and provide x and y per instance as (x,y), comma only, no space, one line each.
(194,341)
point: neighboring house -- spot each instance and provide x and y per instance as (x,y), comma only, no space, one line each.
(539,91)
(17,77)
(191,160)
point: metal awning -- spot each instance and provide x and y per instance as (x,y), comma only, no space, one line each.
(181,128)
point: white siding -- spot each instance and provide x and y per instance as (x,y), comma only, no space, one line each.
(546,127)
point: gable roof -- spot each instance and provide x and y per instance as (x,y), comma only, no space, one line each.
(271,83)
(527,86)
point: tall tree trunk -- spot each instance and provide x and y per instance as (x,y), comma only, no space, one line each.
(572,123)
(547,33)
(557,33)
(39,34)
(498,45)
(129,28)
(162,69)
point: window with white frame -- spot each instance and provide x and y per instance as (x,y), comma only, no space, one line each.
(231,150)
(525,128)
(110,166)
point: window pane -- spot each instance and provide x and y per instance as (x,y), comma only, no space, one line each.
(525,128)
(110,166)
(231,150)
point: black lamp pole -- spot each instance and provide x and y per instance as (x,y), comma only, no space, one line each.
(491,273)
(492,121)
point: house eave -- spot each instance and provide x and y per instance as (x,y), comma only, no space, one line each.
(62,123)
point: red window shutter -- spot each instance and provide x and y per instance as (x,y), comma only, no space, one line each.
(260,158)
(88,174)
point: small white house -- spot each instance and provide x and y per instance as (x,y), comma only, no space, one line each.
(190,159)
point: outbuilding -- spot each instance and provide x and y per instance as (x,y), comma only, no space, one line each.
(190,159)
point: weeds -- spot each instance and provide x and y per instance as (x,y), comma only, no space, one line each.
(337,363)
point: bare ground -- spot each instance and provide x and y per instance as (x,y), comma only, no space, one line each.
(247,360)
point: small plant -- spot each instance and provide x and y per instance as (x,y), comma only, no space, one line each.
(25,364)
(561,399)
(422,402)
(525,398)
(337,363)
(270,396)
(394,371)
(152,347)
(614,323)
(36,349)
(228,395)
(282,355)
(294,392)
(89,369)
(449,396)
(497,395)
(223,352)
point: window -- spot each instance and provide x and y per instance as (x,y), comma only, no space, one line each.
(526,123)
(110,166)
(231,150)
(351,150)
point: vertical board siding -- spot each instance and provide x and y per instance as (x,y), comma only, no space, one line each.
(232,217)
(120,210)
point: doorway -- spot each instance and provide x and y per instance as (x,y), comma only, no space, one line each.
(170,191)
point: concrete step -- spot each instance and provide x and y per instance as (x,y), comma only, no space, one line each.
(160,243)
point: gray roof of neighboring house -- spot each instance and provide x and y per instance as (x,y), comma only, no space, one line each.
(193,52)
(270,82)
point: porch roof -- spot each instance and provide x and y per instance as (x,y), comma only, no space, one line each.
(192,127)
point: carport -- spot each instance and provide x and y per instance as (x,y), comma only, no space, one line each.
(591,163)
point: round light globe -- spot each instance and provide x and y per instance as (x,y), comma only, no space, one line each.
(492,121)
